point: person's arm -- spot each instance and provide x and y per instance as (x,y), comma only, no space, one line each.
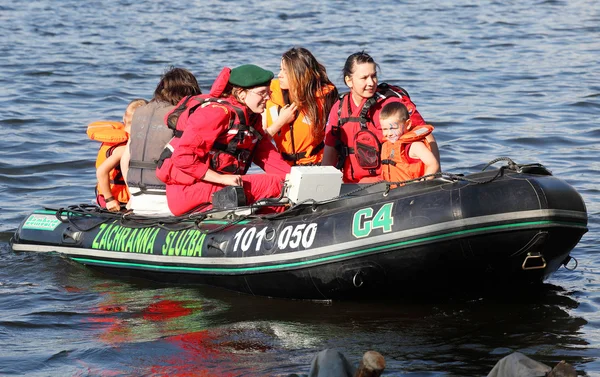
(103,176)
(202,129)
(222,179)
(418,150)
(435,150)
(287,114)
(269,159)
(125,161)
(417,120)
(330,156)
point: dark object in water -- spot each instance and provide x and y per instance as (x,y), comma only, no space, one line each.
(333,363)
(518,365)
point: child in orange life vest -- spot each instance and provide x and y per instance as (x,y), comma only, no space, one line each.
(404,155)
(112,194)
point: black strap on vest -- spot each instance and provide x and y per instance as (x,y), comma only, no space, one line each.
(146,191)
(292,157)
(142,164)
(118,179)
(173,118)
(232,146)
(296,156)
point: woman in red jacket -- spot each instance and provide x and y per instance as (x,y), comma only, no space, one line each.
(221,139)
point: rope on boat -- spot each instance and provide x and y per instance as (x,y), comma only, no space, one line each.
(511,164)
(450,176)
(129,219)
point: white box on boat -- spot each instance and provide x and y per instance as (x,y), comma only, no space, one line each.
(313,182)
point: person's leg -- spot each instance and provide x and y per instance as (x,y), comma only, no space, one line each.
(183,199)
(261,186)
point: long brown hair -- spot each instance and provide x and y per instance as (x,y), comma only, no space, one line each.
(308,80)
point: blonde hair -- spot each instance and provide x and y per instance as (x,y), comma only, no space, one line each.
(394,109)
(130,109)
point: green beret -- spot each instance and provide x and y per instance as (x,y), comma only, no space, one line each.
(249,76)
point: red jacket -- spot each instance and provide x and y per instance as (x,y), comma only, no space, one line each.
(192,152)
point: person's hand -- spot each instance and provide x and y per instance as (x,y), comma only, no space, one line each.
(231,180)
(287,114)
(113,206)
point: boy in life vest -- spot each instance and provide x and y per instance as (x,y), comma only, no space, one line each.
(405,154)
(111,189)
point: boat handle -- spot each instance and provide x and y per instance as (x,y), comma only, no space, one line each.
(533,257)
(357,279)
(568,260)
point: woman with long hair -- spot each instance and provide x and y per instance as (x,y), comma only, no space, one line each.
(296,114)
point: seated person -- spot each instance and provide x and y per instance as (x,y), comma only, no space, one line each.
(149,135)
(404,155)
(218,143)
(111,189)
(297,110)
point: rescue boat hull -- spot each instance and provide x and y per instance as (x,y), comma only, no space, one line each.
(517,228)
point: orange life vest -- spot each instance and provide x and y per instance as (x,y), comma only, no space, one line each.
(295,141)
(112,135)
(397,166)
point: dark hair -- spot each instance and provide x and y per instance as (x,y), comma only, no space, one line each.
(394,108)
(175,84)
(354,59)
(308,81)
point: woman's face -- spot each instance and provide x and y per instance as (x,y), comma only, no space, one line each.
(256,98)
(283,76)
(363,81)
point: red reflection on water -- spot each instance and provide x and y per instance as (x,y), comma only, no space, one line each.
(200,358)
(201,353)
(165,309)
(72,289)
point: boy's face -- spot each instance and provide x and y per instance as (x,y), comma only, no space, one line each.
(393,127)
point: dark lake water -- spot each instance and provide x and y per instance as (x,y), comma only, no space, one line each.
(516,79)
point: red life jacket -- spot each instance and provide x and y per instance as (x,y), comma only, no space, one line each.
(112,135)
(397,164)
(359,137)
(230,154)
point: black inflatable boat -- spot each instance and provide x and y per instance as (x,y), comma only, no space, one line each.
(516,224)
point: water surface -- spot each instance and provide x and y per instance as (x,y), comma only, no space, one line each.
(495,78)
